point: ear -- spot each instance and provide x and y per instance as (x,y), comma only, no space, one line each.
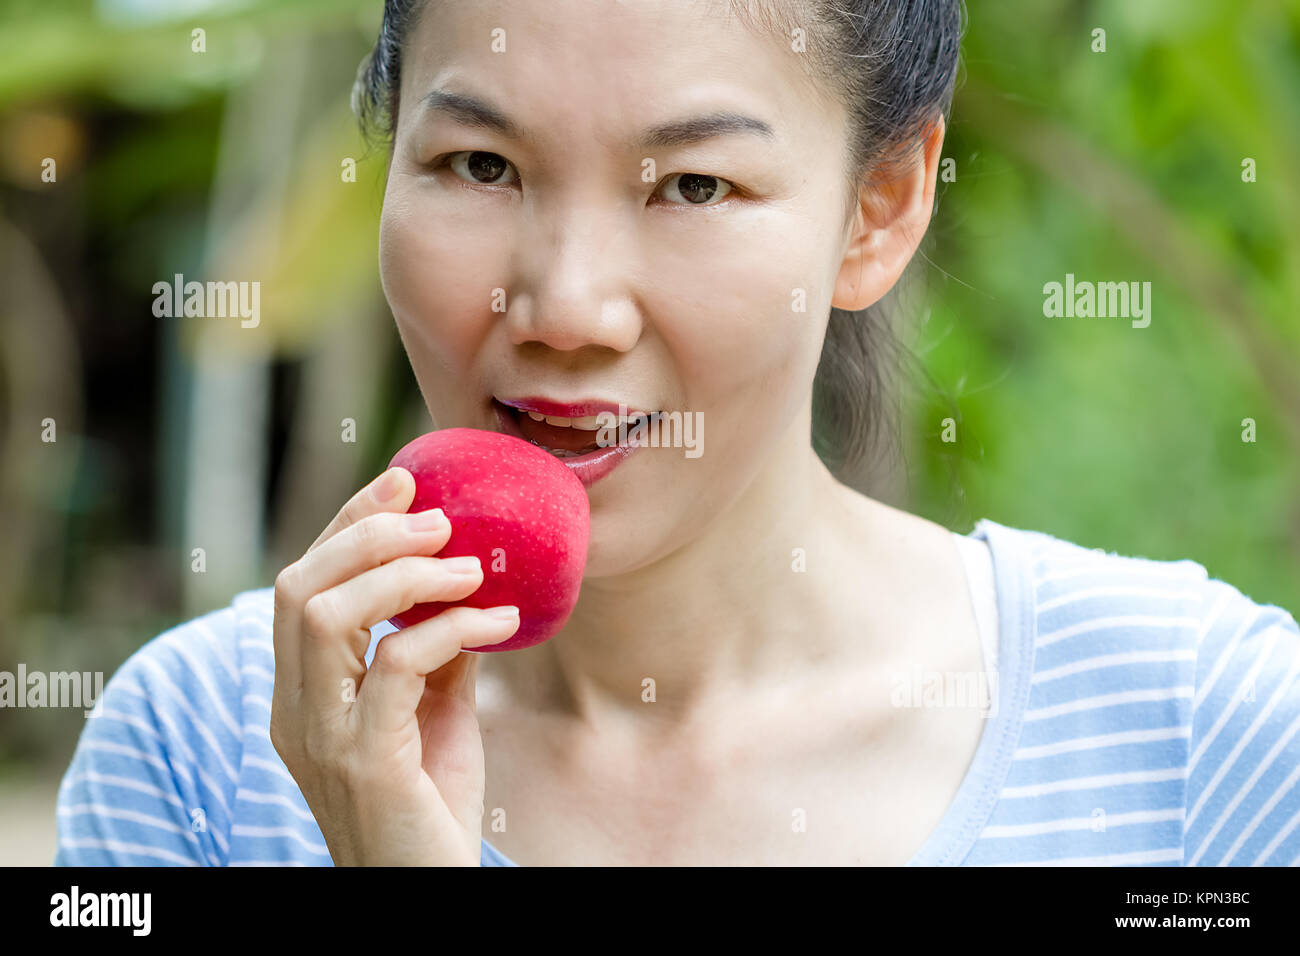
(888,223)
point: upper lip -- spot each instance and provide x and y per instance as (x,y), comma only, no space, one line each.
(579,409)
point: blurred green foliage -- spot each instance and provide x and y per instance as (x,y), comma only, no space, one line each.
(1124,166)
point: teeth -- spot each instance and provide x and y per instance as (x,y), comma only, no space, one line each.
(587,423)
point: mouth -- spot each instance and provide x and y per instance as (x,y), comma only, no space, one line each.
(591,447)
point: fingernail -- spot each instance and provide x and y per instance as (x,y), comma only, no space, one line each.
(506,612)
(469,564)
(385,486)
(427,520)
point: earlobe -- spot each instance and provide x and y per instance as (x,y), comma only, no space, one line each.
(890,220)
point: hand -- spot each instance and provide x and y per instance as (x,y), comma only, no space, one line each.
(390,758)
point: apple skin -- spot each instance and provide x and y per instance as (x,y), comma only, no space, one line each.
(519,510)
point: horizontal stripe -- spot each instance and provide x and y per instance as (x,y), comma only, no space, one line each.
(131,849)
(1108,700)
(1102,782)
(1099,741)
(1080,823)
(1112,660)
(1095,624)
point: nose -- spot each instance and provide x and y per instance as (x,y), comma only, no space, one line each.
(574,289)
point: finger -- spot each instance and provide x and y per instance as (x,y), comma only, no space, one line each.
(450,737)
(374,540)
(456,678)
(394,490)
(395,682)
(337,621)
(286,638)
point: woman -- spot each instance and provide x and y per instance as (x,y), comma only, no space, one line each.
(692,207)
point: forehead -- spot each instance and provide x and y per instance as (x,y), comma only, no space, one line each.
(608,68)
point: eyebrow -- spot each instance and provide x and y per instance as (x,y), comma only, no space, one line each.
(472,111)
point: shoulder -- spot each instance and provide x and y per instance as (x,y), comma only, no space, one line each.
(1084,600)
(184,674)
(157,767)
(198,669)
(205,687)
(1079,592)
(1155,672)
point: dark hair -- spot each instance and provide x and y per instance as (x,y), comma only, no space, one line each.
(893,64)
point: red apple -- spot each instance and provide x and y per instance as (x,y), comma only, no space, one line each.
(519,509)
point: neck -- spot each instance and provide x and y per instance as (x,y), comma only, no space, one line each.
(726,615)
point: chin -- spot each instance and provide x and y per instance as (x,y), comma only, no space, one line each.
(620,542)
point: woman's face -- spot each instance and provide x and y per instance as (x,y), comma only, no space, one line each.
(562,273)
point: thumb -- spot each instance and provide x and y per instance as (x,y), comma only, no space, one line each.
(456,678)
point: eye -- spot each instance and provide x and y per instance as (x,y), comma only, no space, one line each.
(694,189)
(483,168)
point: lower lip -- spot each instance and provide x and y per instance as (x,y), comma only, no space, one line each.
(588,468)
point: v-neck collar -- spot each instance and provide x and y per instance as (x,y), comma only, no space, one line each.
(957,831)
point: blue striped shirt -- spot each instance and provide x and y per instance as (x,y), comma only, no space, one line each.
(1146,714)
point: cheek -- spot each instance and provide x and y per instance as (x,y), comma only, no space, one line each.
(438,277)
(742,309)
